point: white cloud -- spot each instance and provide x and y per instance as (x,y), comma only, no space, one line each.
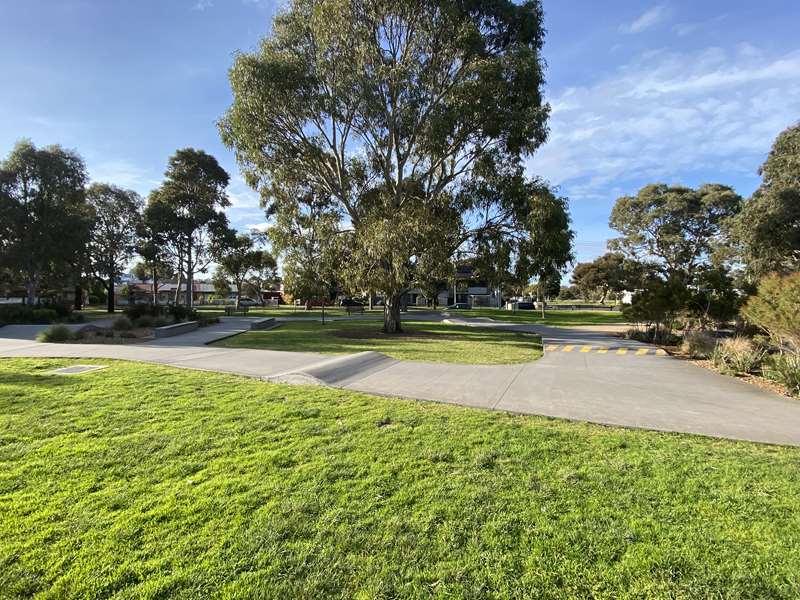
(122,173)
(201,5)
(241,195)
(684,29)
(650,18)
(667,116)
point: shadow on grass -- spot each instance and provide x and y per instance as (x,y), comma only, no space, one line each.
(419,341)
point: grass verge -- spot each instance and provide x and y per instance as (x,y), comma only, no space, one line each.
(555,318)
(426,341)
(143,481)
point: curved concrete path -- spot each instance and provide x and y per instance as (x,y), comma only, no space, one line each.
(636,388)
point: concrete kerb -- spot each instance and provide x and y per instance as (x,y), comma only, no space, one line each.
(337,371)
(175,329)
(264,324)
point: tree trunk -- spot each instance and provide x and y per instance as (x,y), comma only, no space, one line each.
(370,300)
(391,314)
(110,290)
(238,296)
(189,279)
(78,304)
(30,290)
(155,287)
(177,298)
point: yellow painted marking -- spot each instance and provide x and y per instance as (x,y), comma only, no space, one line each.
(551,348)
(661,352)
(602,350)
(642,351)
(622,351)
(586,348)
(567,348)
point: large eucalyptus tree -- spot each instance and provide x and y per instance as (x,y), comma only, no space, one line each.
(387,107)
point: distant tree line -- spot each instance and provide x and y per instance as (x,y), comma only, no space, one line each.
(56,231)
(700,254)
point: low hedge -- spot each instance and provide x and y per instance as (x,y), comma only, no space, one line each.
(24,313)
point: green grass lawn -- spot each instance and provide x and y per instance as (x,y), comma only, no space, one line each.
(141,481)
(556,318)
(420,340)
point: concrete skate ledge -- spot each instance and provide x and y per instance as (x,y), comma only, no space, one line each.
(175,329)
(263,324)
(337,371)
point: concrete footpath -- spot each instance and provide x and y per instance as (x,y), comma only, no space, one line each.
(585,375)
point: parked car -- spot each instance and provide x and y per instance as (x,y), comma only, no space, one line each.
(248,302)
(459,306)
(350,302)
(525,306)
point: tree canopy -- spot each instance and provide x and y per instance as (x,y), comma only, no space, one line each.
(388,110)
(243,264)
(766,235)
(678,226)
(44,218)
(113,239)
(186,213)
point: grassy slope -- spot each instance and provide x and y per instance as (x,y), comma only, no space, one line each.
(147,481)
(557,318)
(420,341)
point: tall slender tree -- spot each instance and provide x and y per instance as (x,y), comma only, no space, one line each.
(191,204)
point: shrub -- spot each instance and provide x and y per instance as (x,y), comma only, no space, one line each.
(784,369)
(127,334)
(24,313)
(122,324)
(137,311)
(57,334)
(698,343)
(181,313)
(776,309)
(737,355)
(657,306)
(204,321)
(63,310)
(43,315)
(144,321)
(160,321)
(650,336)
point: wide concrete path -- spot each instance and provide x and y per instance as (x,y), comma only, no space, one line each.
(637,388)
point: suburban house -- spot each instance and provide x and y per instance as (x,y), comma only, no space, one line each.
(464,289)
(142,292)
(203,293)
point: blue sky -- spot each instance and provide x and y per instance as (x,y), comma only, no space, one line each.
(680,91)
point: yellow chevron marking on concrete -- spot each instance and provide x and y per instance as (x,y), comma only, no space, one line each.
(605,350)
